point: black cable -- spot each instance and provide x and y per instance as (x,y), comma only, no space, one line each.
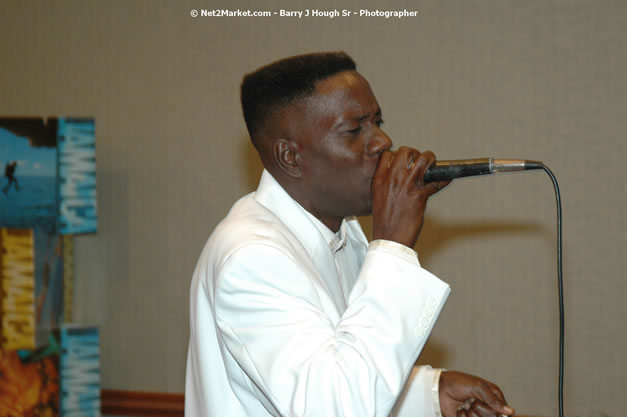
(560,287)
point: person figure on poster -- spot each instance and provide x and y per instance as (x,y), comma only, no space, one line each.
(9,172)
(292,311)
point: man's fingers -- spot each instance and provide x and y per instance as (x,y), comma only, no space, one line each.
(480,409)
(385,160)
(492,396)
(497,391)
(507,410)
(421,161)
(411,164)
(405,159)
(419,165)
(459,387)
(412,160)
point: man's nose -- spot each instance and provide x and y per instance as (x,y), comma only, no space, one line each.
(378,143)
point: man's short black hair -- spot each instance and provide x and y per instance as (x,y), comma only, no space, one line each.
(277,85)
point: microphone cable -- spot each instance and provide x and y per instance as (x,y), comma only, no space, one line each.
(560,289)
(446,170)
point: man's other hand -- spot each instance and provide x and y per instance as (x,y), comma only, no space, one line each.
(463,395)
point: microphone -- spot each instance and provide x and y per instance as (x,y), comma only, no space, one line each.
(448,170)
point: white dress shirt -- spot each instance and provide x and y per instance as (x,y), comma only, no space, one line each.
(290,319)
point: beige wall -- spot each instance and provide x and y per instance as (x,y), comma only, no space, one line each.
(540,80)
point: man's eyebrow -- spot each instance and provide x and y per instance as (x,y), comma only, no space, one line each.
(378,113)
(360,117)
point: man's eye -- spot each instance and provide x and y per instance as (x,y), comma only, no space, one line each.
(380,122)
(356,130)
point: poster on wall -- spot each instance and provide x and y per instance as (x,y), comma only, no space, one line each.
(49,174)
(30,383)
(60,379)
(46,369)
(31,287)
(80,371)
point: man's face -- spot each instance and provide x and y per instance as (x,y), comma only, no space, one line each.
(339,136)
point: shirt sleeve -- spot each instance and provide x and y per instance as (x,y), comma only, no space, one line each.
(421,396)
(397,249)
(298,360)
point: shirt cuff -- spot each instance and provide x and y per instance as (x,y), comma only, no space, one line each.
(397,249)
(435,390)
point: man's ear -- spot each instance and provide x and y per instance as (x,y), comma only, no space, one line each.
(287,157)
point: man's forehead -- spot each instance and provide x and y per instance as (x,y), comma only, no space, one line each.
(340,98)
(346,92)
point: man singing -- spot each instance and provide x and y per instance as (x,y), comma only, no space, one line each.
(293,311)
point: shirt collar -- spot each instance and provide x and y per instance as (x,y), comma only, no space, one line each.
(302,223)
(336,241)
